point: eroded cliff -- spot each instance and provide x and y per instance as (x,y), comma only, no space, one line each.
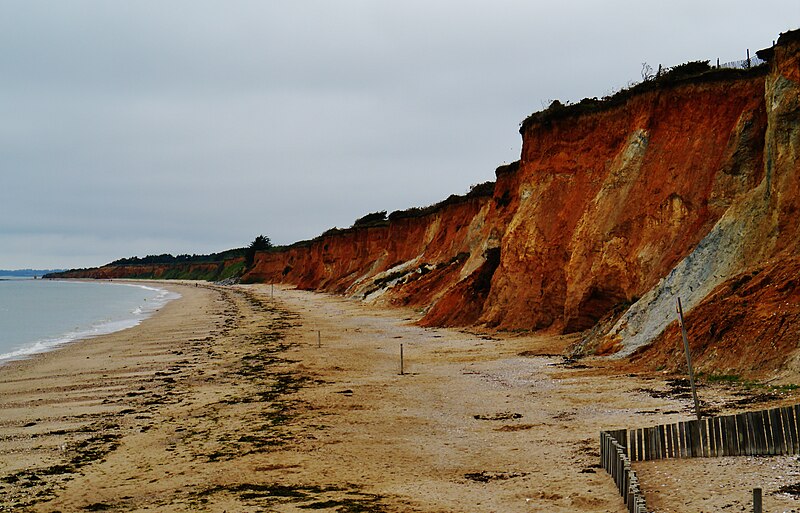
(209,271)
(683,186)
(609,202)
(746,320)
(419,258)
(602,205)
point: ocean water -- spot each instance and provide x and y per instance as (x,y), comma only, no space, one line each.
(41,315)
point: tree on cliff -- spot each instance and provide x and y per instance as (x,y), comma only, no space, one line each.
(260,243)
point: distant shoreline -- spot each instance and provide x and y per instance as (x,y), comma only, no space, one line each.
(27,273)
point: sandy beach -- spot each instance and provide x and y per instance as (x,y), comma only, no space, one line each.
(232,400)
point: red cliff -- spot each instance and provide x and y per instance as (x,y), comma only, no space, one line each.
(607,203)
(607,198)
(749,322)
(216,270)
(684,186)
(417,258)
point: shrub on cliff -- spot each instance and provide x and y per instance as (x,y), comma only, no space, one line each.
(693,71)
(373,219)
(260,243)
(167,258)
(331,231)
(687,70)
(479,190)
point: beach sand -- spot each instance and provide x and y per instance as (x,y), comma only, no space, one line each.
(230,400)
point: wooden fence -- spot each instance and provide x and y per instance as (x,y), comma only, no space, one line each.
(757,433)
(615,461)
(770,432)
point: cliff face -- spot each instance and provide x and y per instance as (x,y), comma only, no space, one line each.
(610,214)
(608,203)
(600,207)
(750,322)
(413,261)
(682,187)
(184,271)
(749,325)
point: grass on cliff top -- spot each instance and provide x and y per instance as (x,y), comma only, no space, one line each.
(379,219)
(690,72)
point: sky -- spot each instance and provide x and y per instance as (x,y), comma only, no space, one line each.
(149,127)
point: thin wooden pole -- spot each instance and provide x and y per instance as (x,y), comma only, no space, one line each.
(757,506)
(688,358)
(319,338)
(401,360)
(271,290)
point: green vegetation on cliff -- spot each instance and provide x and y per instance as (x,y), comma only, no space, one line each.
(688,72)
(167,258)
(225,265)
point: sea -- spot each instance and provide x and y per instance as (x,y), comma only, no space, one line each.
(42,315)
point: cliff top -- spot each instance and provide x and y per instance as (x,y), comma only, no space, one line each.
(480,190)
(687,73)
(379,219)
(784,39)
(692,72)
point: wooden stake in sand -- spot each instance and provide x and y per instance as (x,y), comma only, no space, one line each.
(271,290)
(319,338)
(401,360)
(757,507)
(688,359)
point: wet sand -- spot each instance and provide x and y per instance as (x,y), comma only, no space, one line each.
(230,400)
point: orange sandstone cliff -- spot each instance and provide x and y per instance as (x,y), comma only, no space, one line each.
(749,322)
(418,258)
(599,208)
(680,188)
(683,186)
(214,270)
(609,199)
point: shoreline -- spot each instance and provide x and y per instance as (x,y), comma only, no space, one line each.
(98,327)
(60,408)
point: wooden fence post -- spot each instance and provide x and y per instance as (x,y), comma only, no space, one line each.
(741,429)
(770,437)
(705,445)
(640,444)
(733,434)
(676,443)
(794,416)
(776,424)
(757,506)
(686,442)
(791,429)
(760,433)
(688,359)
(712,437)
(634,449)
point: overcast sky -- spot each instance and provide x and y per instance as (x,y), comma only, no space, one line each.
(145,127)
